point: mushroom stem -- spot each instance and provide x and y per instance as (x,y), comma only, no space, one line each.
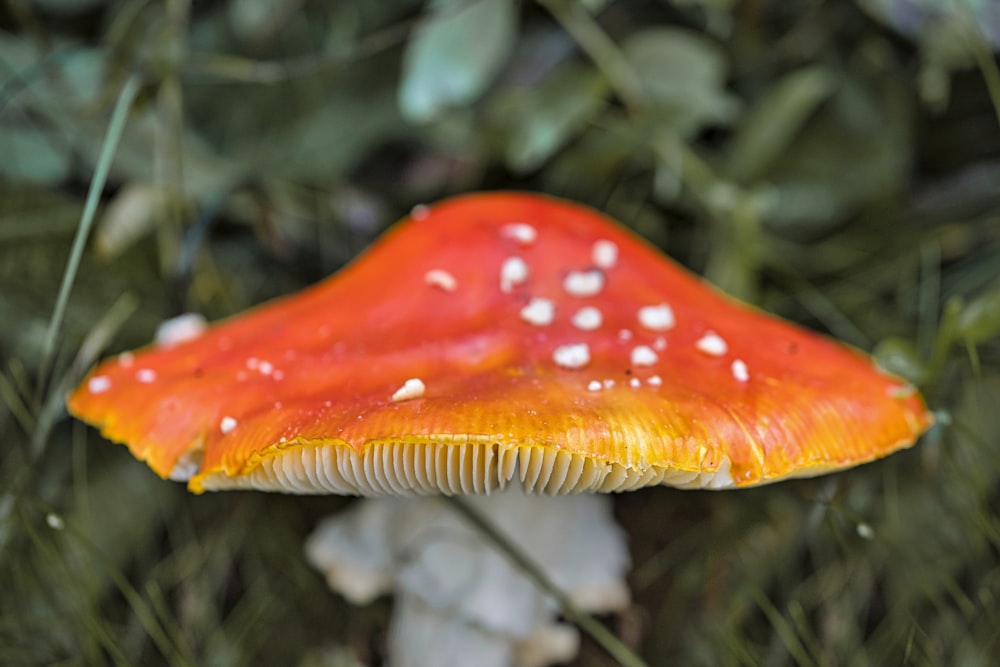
(482,581)
(615,647)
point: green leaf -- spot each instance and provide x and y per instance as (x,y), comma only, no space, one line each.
(538,121)
(31,157)
(775,120)
(852,152)
(456,52)
(979,321)
(684,76)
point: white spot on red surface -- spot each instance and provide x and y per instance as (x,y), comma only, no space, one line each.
(740,371)
(145,375)
(660,344)
(521,232)
(266,367)
(654,381)
(635,383)
(712,344)
(657,318)
(584,283)
(587,318)
(513,271)
(643,355)
(594,385)
(126,359)
(539,312)
(575,355)
(624,335)
(441,278)
(180,329)
(609,383)
(420,212)
(227,425)
(605,254)
(98,384)
(412,388)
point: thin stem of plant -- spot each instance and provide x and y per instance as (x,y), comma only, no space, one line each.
(116,128)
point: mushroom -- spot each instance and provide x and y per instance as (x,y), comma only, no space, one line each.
(496,344)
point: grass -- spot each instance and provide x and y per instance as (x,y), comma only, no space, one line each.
(258,155)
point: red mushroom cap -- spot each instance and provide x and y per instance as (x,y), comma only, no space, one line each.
(493,336)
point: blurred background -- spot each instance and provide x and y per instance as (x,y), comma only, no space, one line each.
(834,162)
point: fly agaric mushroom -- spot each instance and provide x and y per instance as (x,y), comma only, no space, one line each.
(497,340)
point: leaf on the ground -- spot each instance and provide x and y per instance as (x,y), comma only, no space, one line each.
(31,157)
(980,319)
(538,121)
(455,53)
(260,20)
(133,212)
(854,150)
(684,76)
(776,118)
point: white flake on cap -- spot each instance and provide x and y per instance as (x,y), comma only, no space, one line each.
(576,355)
(180,329)
(145,375)
(657,318)
(584,283)
(740,372)
(227,425)
(594,385)
(441,278)
(539,312)
(98,384)
(713,344)
(643,355)
(635,383)
(412,388)
(654,381)
(126,359)
(624,334)
(514,271)
(604,254)
(587,318)
(609,383)
(521,232)
(265,367)
(660,344)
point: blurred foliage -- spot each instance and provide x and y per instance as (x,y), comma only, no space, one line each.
(833,162)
